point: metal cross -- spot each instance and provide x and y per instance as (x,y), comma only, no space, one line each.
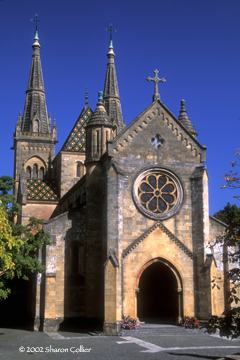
(36,20)
(111,30)
(156,80)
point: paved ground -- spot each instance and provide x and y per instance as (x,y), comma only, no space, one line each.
(150,342)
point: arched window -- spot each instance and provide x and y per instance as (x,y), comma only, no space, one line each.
(28,172)
(41,173)
(35,171)
(78,170)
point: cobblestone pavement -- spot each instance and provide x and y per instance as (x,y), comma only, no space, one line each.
(149,342)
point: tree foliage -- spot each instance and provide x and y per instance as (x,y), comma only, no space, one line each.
(230,215)
(18,243)
(229,323)
(7,198)
(9,245)
(232,178)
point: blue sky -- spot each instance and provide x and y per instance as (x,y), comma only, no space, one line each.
(193,43)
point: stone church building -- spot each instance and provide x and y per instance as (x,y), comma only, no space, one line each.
(126,208)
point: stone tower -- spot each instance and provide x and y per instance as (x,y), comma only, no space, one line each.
(34,140)
(99,130)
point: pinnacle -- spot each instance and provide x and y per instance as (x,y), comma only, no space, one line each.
(184,119)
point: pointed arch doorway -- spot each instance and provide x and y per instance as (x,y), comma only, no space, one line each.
(159,292)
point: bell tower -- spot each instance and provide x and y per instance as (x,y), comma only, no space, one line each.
(34,139)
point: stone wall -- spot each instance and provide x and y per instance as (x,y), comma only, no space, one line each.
(65,169)
(64,280)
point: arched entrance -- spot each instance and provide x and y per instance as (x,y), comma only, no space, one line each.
(159,292)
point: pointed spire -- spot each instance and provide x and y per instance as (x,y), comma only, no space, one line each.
(111,97)
(35,117)
(184,119)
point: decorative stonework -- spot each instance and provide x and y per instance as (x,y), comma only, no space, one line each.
(158,193)
(172,123)
(172,237)
(157,141)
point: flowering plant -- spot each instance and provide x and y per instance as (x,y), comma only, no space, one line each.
(129,323)
(190,322)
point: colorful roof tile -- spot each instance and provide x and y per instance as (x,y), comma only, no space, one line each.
(41,190)
(76,140)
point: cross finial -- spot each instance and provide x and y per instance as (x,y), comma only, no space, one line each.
(156,80)
(86,97)
(36,20)
(111,30)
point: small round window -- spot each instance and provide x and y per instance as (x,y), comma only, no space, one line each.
(158,193)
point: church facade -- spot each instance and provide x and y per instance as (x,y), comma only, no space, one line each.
(126,208)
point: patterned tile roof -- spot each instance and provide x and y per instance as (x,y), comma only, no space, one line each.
(76,140)
(41,190)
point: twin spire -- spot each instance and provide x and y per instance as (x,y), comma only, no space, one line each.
(111,98)
(35,118)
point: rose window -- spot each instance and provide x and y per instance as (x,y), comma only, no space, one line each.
(158,193)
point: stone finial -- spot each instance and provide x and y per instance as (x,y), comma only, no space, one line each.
(184,119)
(20,117)
(100,115)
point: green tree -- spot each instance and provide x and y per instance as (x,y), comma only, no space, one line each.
(6,197)
(9,245)
(230,215)
(229,323)
(19,244)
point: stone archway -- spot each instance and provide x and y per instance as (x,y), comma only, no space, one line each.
(159,292)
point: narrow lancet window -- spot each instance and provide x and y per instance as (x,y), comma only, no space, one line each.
(41,173)
(35,171)
(28,172)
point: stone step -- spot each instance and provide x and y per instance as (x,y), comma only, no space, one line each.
(161,330)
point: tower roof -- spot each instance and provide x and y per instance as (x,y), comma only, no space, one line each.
(35,117)
(185,120)
(100,116)
(76,140)
(111,97)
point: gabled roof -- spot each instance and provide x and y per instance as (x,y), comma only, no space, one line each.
(76,140)
(156,109)
(39,189)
